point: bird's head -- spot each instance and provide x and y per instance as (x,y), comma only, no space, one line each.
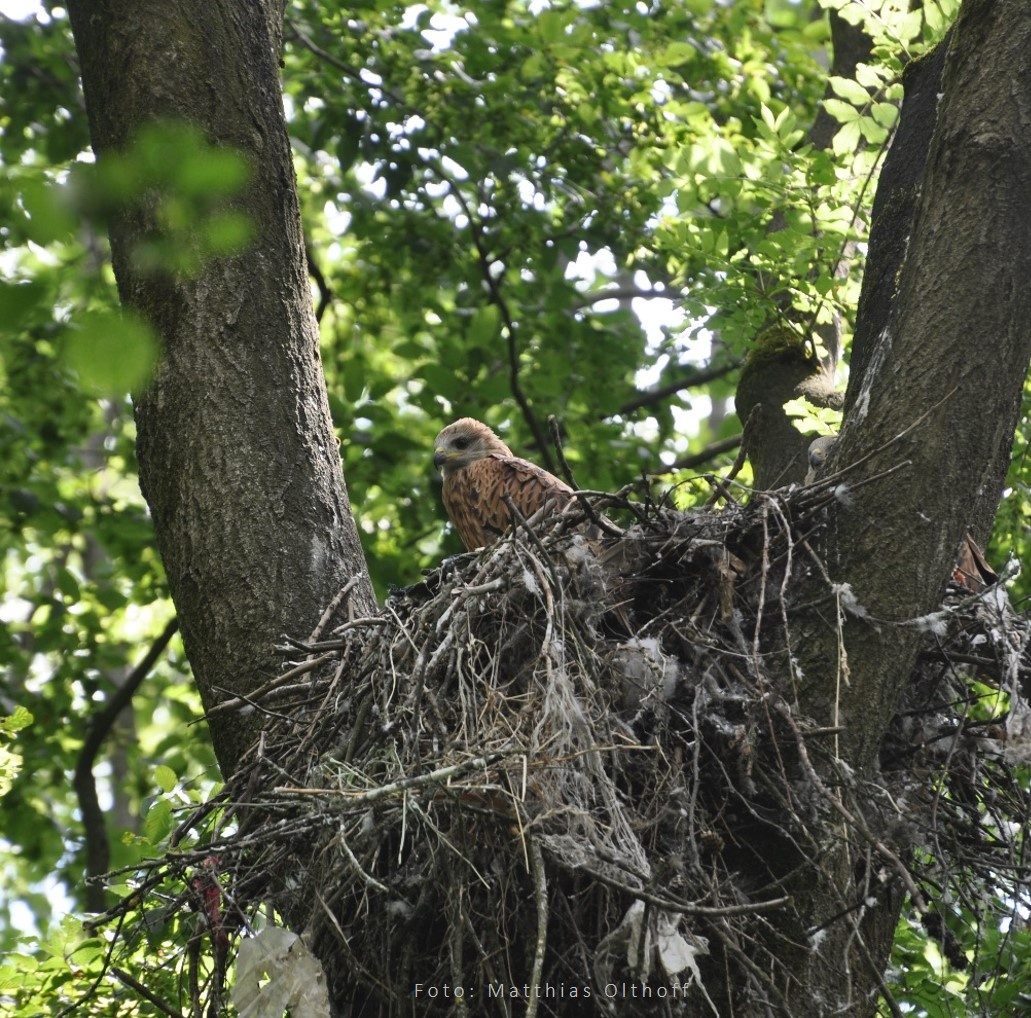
(819,449)
(464,441)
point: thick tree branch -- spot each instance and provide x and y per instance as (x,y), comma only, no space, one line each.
(768,381)
(651,397)
(918,466)
(698,460)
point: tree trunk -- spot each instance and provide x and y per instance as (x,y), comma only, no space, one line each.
(931,407)
(237,456)
(938,401)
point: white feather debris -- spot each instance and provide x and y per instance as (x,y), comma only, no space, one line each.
(848,601)
(276,972)
(936,623)
(663,943)
(530,582)
(645,670)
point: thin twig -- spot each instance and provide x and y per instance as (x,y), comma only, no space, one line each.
(556,443)
(540,895)
(135,984)
(236,702)
(332,607)
(649,397)
(325,293)
(699,459)
(442,774)
(598,521)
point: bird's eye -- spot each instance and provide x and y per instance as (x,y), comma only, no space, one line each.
(461,443)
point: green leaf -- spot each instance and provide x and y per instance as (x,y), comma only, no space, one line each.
(872,131)
(849,90)
(886,114)
(936,20)
(19,302)
(68,585)
(870,76)
(21,717)
(484,326)
(841,111)
(210,172)
(350,144)
(112,352)
(551,24)
(676,54)
(158,822)
(49,218)
(533,66)
(847,139)
(10,766)
(165,778)
(910,25)
(227,233)
(354,374)
(18,970)
(441,380)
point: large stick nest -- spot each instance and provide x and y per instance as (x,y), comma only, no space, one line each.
(558,776)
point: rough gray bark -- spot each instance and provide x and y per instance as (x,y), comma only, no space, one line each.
(940,395)
(237,457)
(936,402)
(894,209)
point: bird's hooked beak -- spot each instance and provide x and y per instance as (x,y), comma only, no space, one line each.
(820,450)
(440,457)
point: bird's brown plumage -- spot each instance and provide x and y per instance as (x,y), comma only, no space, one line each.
(479,471)
(971,569)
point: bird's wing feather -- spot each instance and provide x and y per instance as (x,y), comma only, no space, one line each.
(971,569)
(475,496)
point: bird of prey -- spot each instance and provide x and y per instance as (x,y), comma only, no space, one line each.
(479,471)
(970,571)
(819,450)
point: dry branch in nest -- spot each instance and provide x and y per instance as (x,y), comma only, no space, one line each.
(556,777)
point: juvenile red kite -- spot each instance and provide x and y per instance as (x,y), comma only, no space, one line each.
(479,470)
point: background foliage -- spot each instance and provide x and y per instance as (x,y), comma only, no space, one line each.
(513,211)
